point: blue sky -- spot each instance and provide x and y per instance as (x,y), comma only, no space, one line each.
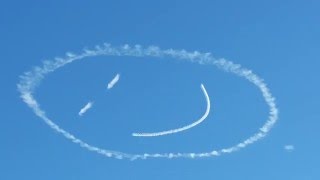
(279,41)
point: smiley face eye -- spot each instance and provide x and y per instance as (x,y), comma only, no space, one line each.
(85,108)
(114,81)
(30,80)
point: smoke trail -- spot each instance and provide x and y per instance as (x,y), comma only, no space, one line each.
(289,148)
(113,81)
(85,108)
(30,80)
(172,131)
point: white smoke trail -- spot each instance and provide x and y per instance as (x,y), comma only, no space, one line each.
(289,148)
(172,131)
(113,81)
(30,80)
(85,108)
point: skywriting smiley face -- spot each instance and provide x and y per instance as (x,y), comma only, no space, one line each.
(30,80)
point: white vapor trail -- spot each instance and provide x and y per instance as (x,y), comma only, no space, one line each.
(113,81)
(85,108)
(172,131)
(30,80)
(289,148)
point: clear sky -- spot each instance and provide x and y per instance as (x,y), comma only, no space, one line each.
(278,40)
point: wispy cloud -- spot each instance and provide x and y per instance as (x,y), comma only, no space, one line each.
(113,81)
(30,80)
(289,148)
(85,108)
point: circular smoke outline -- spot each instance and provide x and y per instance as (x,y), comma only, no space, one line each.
(31,79)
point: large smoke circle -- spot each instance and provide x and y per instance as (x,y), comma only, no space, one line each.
(30,80)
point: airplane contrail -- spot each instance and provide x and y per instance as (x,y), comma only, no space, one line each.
(173,131)
(30,80)
(85,108)
(113,81)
